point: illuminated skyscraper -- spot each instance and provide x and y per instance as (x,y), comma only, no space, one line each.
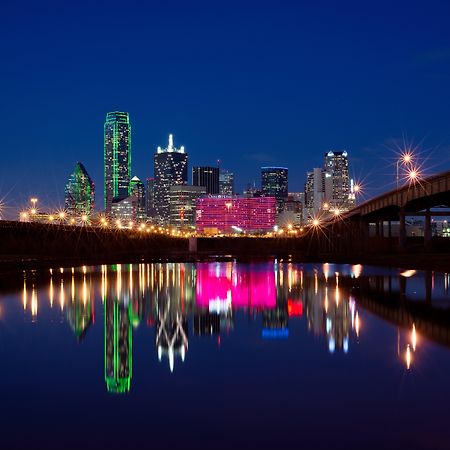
(274,183)
(207,177)
(182,204)
(336,168)
(315,193)
(170,168)
(226,183)
(79,192)
(138,192)
(117,157)
(150,198)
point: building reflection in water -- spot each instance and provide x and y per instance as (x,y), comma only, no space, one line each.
(118,336)
(206,297)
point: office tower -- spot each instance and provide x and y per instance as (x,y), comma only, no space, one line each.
(315,193)
(170,168)
(79,192)
(226,183)
(336,168)
(274,182)
(207,177)
(292,212)
(124,210)
(150,198)
(182,204)
(138,192)
(117,157)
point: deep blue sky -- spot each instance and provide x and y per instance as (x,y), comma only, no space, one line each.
(250,83)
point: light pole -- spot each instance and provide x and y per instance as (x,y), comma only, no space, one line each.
(405,159)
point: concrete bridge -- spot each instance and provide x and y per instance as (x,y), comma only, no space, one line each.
(429,197)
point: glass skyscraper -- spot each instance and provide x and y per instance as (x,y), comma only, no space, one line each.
(336,168)
(207,177)
(226,183)
(79,193)
(117,157)
(170,168)
(138,192)
(274,182)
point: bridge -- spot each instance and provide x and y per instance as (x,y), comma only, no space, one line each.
(428,197)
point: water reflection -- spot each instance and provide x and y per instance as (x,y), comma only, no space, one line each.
(206,297)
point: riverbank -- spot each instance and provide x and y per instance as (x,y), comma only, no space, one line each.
(418,261)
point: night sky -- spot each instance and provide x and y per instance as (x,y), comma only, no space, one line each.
(249,83)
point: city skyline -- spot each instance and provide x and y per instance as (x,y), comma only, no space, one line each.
(233,213)
(237,106)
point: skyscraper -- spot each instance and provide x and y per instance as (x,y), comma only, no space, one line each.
(315,193)
(274,183)
(336,168)
(226,183)
(150,198)
(182,204)
(79,192)
(117,157)
(170,168)
(138,192)
(207,177)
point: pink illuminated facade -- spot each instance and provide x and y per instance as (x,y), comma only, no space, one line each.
(225,214)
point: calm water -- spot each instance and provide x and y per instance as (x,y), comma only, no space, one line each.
(225,355)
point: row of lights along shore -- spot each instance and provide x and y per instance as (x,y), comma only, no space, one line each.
(406,160)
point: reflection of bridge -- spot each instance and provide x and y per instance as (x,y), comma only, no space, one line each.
(377,295)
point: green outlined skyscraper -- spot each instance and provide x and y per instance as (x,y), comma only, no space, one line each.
(79,192)
(117,157)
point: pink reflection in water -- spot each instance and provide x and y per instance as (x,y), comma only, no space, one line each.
(252,287)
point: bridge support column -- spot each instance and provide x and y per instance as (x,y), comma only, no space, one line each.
(428,287)
(192,245)
(402,230)
(381,226)
(364,235)
(427,231)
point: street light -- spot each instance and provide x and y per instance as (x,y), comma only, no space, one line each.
(405,159)
(413,175)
